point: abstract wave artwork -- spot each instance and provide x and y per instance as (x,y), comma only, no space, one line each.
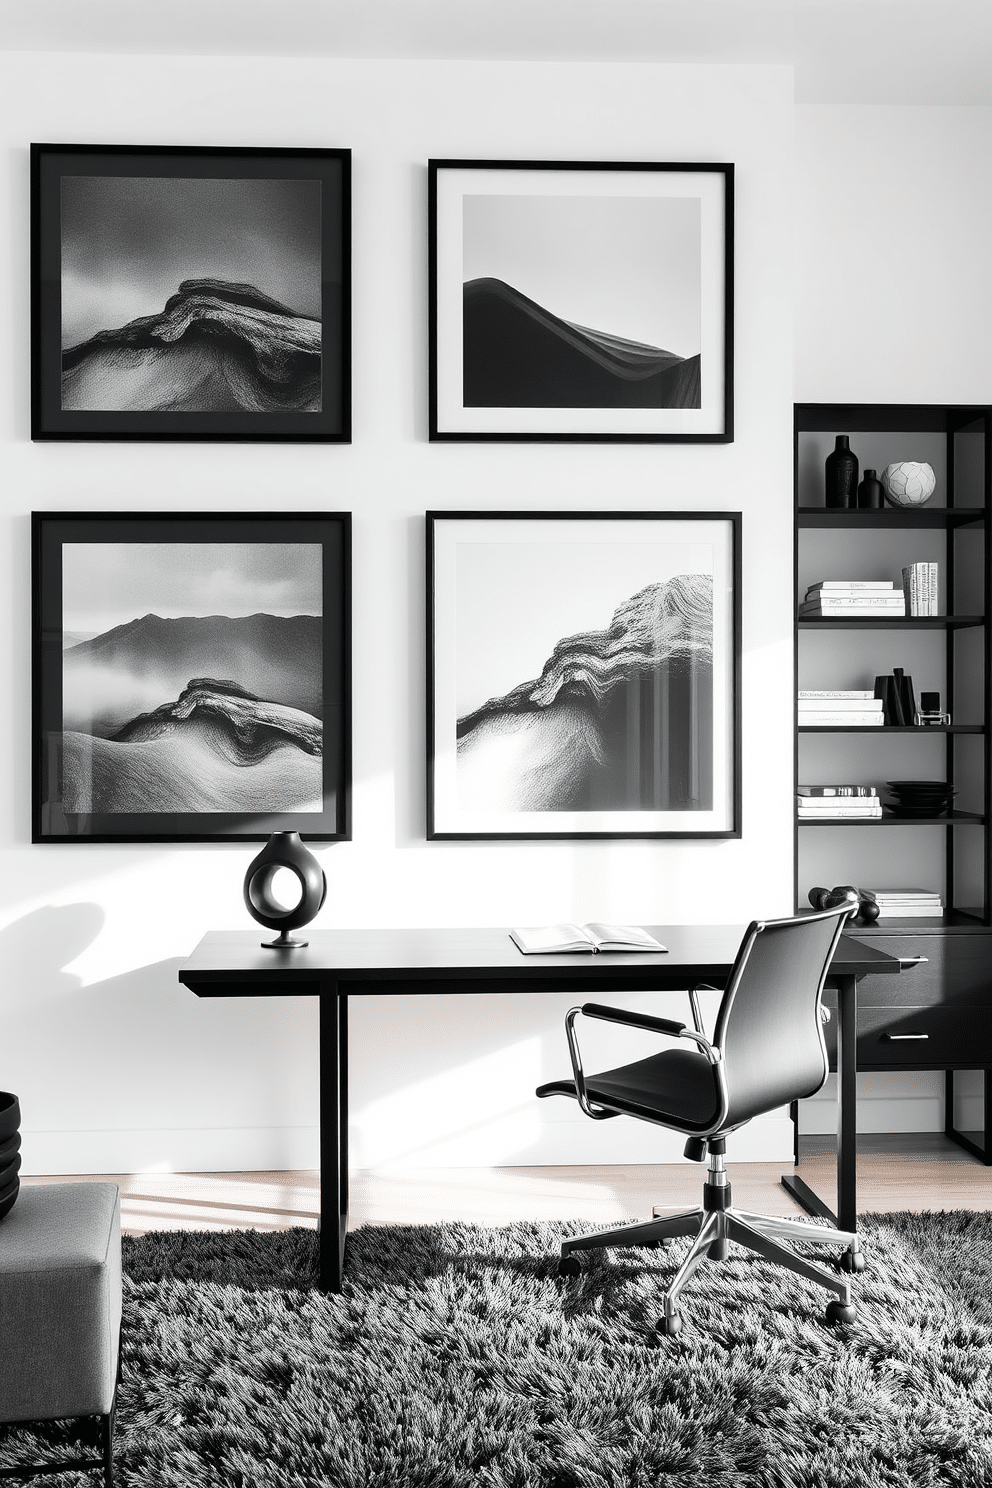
(619,719)
(518,354)
(146,730)
(215,347)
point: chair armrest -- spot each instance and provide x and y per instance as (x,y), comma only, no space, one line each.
(651,1024)
(634,1020)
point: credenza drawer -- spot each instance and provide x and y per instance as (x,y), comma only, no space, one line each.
(919,1037)
(958,969)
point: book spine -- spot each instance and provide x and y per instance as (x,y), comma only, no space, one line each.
(862,601)
(861,696)
(846,720)
(840,705)
(836,790)
(869,584)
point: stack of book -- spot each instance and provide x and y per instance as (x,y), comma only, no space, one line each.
(841,599)
(838,803)
(904,904)
(838,708)
(919,582)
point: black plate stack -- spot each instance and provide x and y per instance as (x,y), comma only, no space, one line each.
(921,798)
(10,1153)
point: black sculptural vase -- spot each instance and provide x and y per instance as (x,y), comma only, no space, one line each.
(10,1150)
(284,850)
(871,492)
(841,474)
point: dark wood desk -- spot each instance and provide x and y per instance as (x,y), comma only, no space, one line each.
(338,964)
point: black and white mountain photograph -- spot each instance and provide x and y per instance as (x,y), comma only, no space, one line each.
(581,301)
(599,699)
(191,678)
(190,295)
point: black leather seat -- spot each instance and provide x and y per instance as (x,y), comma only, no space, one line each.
(767,1050)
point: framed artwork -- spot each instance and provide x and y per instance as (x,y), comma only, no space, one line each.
(191,676)
(580,300)
(583,674)
(190,293)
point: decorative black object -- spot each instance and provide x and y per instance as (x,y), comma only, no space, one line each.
(10,1153)
(841,474)
(191,676)
(284,850)
(862,903)
(921,798)
(190,293)
(606,704)
(929,713)
(581,300)
(871,492)
(907,696)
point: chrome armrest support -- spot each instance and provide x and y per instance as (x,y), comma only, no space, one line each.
(675,1030)
(578,1075)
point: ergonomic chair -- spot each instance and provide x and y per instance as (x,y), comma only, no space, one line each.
(767,1050)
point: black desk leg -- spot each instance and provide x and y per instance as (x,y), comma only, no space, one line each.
(333,1136)
(846,1217)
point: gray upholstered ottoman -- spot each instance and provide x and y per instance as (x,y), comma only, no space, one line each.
(60,1307)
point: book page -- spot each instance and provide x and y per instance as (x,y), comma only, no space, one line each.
(545,939)
(630,936)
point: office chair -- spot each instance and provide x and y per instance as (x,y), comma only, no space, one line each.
(767,1050)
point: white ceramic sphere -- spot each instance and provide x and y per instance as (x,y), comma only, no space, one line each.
(908,483)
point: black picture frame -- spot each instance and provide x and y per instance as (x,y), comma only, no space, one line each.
(255,347)
(242,714)
(583,678)
(581,301)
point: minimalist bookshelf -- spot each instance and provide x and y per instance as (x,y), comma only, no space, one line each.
(948,653)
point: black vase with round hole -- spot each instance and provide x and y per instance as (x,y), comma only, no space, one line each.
(284,850)
(10,1150)
(841,474)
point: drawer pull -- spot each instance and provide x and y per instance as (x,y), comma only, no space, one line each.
(906,963)
(897,1037)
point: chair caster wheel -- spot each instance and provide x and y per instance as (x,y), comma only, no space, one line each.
(841,1312)
(852,1260)
(669,1326)
(569,1266)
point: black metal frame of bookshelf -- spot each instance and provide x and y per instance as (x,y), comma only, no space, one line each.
(948,420)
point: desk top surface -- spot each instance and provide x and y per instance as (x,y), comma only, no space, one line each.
(408,956)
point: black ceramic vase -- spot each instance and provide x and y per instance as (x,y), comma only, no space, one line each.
(284,850)
(841,474)
(871,492)
(10,1150)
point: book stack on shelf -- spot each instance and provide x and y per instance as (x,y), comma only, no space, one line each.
(838,803)
(837,708)
(904,904)
(919,583)
(842,599)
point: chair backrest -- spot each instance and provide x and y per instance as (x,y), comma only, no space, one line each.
(768,1027)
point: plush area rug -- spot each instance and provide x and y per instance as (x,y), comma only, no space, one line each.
(456,1358)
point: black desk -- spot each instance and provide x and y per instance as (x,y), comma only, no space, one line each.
(342,963)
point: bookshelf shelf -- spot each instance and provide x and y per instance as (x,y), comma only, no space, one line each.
(889,819)
(891,728)
(891,519)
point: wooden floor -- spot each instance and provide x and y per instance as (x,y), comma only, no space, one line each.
(921,1171)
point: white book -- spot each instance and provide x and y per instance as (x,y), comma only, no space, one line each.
(547,940)
(842,720)
(866,704)
(895,600)
(912,911)
(850,584)
(907,894)
(825,693)
(836,805)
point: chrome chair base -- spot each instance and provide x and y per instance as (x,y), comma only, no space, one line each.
(713,1228)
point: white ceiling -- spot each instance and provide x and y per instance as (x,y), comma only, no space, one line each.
(844,51)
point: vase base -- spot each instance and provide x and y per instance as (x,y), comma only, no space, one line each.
(283,942)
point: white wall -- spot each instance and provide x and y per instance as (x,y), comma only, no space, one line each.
(894,305)
(118,1067)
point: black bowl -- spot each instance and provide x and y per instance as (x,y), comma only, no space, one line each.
(10,1142)
(10,1115)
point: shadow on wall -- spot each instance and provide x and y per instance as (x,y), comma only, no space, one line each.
(139,1050)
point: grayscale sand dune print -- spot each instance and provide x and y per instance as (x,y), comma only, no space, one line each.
(192,712)
(189,295)
(619,718)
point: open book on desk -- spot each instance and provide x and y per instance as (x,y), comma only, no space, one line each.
(548,940)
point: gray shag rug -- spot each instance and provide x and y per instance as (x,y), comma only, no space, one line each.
(456,1358)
